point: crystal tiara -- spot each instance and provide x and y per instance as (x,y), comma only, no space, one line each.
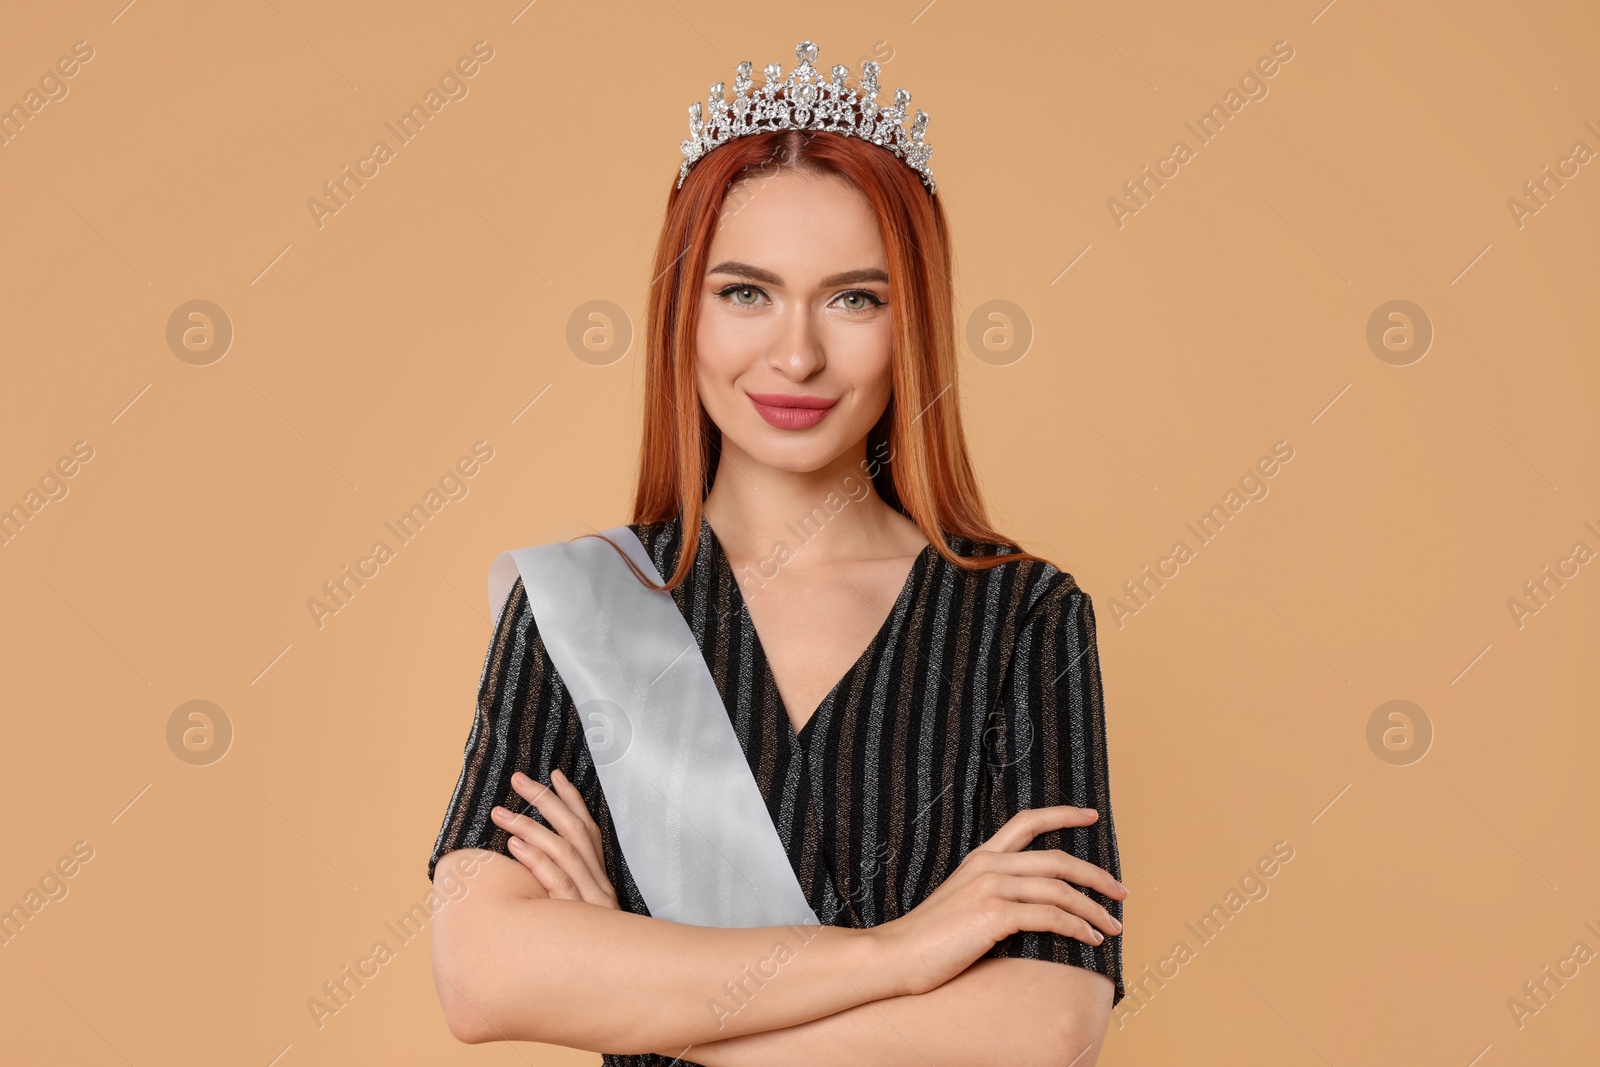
(803,101)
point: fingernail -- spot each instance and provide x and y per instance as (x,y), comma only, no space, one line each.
(557,774)
(1098,937)
(518,778)
(1116,924)
(515,844)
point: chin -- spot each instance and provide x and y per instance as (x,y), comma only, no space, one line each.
(797,452)
(792,456)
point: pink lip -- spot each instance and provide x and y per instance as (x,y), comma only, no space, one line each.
(791,411)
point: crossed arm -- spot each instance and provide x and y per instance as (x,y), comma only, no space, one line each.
(502,954)
(732,997)
(1014,1011)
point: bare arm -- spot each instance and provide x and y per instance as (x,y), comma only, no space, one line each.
(510,963)
(1026,1013)
(513,961)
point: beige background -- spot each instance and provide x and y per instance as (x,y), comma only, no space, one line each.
(1230,312)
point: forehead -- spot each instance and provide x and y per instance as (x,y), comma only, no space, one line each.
(799,224)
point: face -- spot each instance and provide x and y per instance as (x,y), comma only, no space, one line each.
(794,310)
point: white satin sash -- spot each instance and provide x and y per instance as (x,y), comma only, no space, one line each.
(688,813)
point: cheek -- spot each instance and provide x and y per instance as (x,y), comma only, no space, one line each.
(719,344)
(718,358)
(724,339)
(863,353)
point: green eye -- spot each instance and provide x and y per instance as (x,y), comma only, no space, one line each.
(733,291)
(859,300)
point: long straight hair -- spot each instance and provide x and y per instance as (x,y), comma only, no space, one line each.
(928,477)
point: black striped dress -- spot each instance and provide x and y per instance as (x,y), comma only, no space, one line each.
(979,696)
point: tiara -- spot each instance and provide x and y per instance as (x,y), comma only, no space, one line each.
(803,101)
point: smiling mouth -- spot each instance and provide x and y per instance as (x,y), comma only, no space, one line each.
(791,412)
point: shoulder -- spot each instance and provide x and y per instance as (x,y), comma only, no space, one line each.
(1025,589)
(658,535)
(514,627)
(662,541)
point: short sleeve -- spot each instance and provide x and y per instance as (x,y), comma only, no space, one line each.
(1047,746)
(513,729)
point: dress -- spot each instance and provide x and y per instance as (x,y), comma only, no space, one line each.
(979,696)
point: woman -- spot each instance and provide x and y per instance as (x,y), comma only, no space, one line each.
(916,701)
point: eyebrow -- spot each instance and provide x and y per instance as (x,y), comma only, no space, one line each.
(759,274)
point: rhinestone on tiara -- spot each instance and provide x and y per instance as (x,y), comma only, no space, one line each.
(804,101)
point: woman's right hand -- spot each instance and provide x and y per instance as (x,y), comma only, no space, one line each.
(1000,888)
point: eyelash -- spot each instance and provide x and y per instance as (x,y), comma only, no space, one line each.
(725,294)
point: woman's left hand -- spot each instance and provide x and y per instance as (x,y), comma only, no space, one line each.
(566,861)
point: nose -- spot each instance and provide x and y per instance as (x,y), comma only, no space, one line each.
(798,351)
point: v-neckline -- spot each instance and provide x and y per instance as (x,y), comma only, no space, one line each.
(747,622)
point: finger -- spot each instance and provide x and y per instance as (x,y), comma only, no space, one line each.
(1029,890)
(524,827)
(577,829)
(1074,869)
(561,816)
(561,807)
(566,865)
(1046,918)
(1051,862)
(554,880)
(1027,824)
(569,792)
(1063,869)
(513,844)
(1020,830)
(561,852)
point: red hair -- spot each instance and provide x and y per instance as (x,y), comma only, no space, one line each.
(928,478)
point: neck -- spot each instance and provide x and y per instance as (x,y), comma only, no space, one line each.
(816,517)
